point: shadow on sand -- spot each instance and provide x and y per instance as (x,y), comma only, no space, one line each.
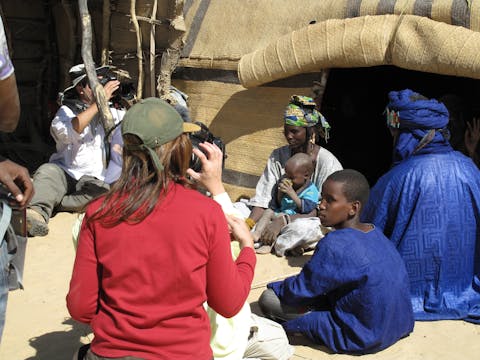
(59,345)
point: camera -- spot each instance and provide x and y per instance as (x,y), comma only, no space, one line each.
(106,78)
(126,90)
(204,135)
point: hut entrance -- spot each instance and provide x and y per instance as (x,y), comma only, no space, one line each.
(354,102)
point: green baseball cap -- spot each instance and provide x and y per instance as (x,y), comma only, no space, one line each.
(156,123)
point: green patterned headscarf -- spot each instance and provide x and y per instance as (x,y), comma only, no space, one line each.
(301,111)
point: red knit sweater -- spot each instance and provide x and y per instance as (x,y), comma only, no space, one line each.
(142,287)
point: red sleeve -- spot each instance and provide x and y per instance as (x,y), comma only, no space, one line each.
(228,282)
(82,298)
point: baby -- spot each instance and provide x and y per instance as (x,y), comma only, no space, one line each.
(296,194)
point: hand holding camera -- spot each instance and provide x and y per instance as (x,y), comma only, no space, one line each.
(110,85)
(210,158)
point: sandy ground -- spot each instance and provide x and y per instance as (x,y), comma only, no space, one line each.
(38,325)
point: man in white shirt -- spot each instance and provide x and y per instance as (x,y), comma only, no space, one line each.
(75,173)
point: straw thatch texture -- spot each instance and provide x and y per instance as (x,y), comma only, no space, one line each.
(220,32)
(410,42)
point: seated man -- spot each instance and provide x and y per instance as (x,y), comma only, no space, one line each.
(75,173)
(353,295)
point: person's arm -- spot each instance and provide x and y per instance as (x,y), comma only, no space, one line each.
(81,121)
(285,187)
(228,282)
(82,298)
(9,101)
(211,178)
(318,276)
(17,179)
(9,104)
(211,174)
(309,198)
(265,188)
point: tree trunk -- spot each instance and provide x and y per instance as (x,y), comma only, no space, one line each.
(99,92)
(171,55)
(133,15)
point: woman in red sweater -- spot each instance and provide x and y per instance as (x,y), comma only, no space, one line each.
(153,250)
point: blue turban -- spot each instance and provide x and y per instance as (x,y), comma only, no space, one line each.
(422,123)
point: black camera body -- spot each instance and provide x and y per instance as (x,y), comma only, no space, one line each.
(106,78)
(204,135)
(126,90)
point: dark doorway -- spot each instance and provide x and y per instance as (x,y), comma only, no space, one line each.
(354,103)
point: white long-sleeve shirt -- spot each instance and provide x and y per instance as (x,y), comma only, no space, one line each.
(84,153)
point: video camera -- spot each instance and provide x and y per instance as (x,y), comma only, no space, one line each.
(204,135)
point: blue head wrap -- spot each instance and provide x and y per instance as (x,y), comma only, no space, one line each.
(422,123)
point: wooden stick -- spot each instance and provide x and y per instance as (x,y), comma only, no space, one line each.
(171,55)
(152,49)
(98,91)
(106,32)
(133,15)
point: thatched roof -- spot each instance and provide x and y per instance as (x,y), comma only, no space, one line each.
(407,41)
(220,33)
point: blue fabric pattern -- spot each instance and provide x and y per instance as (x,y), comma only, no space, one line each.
(362,279)
(309,197)
(429,207)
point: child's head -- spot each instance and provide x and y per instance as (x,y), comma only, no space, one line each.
(299,168)
(343,195)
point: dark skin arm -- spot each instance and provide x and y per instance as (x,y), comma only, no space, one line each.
(9,104)
(285,188)
(256,213)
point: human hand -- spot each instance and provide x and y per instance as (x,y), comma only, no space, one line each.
(472,136)
(240,231)
(110,87)
(17,180)
(285,186)
(272,230)
(211,174)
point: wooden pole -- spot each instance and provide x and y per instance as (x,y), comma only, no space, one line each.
(171,55)
(98,91)
(152,49)
(106,32)
(133,15)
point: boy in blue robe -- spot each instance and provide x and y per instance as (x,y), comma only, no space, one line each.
(353,295)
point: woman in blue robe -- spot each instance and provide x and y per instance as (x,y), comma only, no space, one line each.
(428,205)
